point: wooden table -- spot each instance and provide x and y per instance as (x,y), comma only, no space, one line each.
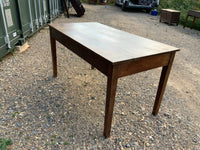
(116,54)
(170,16)
(193,13)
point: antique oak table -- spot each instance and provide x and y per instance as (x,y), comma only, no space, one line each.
(116,54)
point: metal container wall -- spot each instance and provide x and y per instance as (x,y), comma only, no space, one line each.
(9,26)
(33,16)
(19,19)
(55,8)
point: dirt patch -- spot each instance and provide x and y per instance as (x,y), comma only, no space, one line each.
(67,112)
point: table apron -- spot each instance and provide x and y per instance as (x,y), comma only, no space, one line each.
(92,58)
(194,13)
(143,64)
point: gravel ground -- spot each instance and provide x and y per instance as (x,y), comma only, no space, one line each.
(67,112)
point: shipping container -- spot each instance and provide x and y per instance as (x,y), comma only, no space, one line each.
(9,26)
(19,19)
(33,16)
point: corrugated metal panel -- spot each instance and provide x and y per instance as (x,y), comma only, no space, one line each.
(22,18)
(9,27)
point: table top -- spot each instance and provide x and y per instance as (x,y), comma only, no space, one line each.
(194,13)
(198,11)
(171,10)
(110,43)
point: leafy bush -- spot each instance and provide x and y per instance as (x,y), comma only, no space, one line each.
(183,6)
(4,143)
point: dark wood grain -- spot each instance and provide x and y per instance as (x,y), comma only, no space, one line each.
(111,44)
(116,54)
(143,64)
(162,84)
(82,51)
(110,99)
(54,57)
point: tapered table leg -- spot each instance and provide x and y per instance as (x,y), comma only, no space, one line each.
(54,57)
(185,21)
(162,84)
(110,100)
(92,67)
(193,22)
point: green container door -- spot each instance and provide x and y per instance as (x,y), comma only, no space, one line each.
(26,19)
(61,6)
(55,9)
(19,19)
(9,26)
(33,16)
(45,9)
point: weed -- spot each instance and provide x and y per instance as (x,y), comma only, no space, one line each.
(27,138)
(14,52)
(71,135)
(64,88)
(20,133)
(57,105)
(85,84)
(4,143)
(66,143)
(53,136)
(14,114)
(48,116)
(53,143)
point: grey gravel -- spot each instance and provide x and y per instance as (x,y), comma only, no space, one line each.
(38,111)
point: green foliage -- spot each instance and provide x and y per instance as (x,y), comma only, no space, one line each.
(66,143)
(48,116)
(53,143)
(14,114)
(4,143)
(183,6)
(53,136)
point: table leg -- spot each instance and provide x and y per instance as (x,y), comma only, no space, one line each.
(92,67)
(162,84)
(54,59)
(193,22)
(185,21)
(110,100)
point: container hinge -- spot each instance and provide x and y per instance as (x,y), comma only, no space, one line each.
(30,13)
(40,16)
(54,9)
(7,39)
(36,15)
(44,17)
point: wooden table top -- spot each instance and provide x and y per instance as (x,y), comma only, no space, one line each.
(171,10)
(112,44)
(194,13)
